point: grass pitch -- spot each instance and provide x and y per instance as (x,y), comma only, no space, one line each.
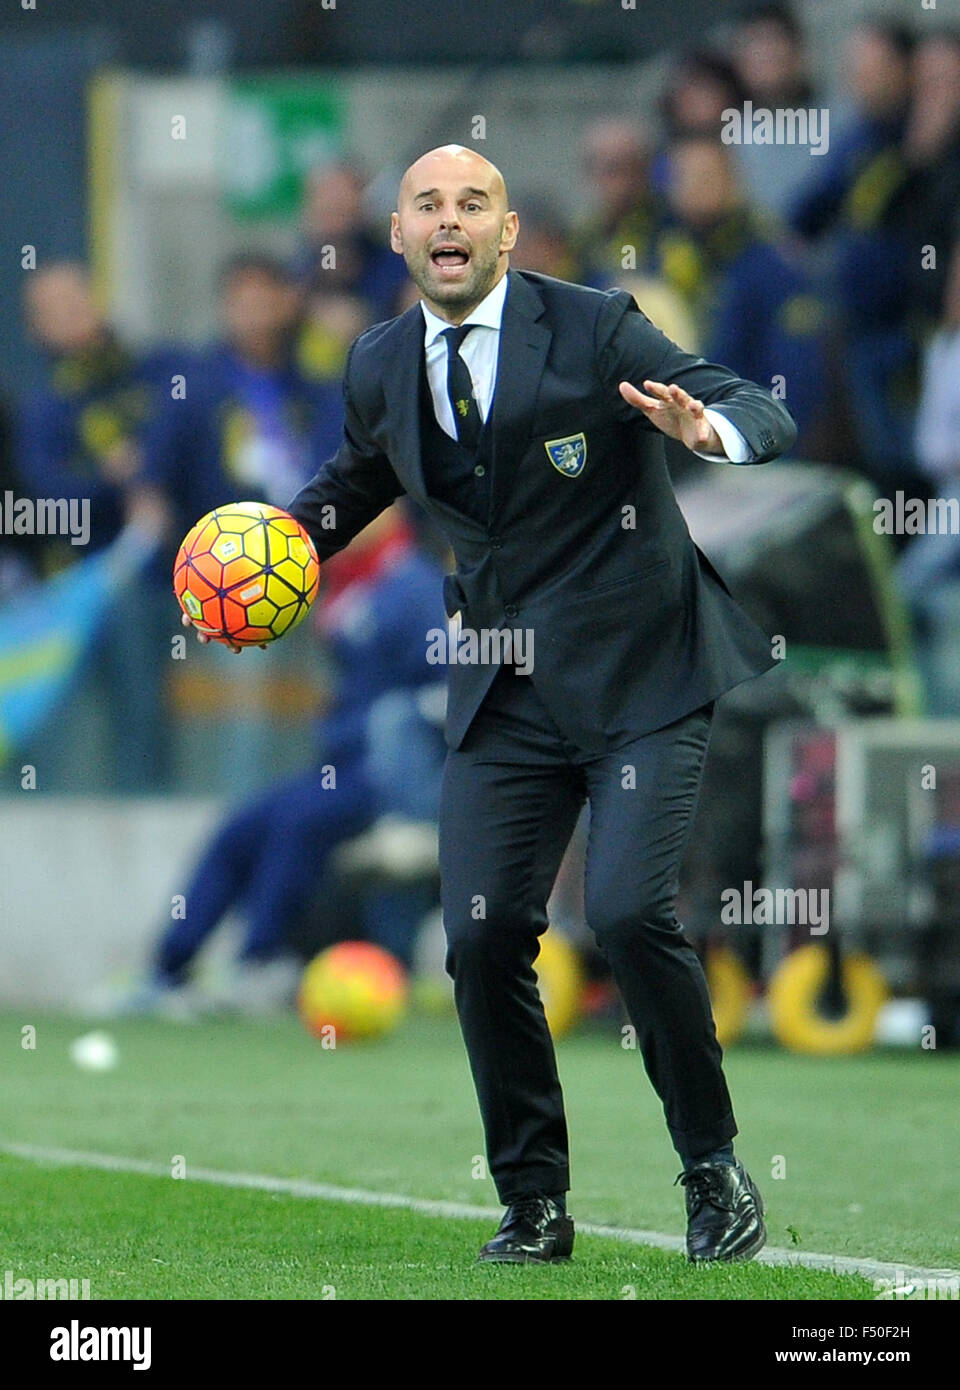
(866,1148)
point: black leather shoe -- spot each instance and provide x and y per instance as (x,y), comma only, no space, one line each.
(533,1231)
(724,1212)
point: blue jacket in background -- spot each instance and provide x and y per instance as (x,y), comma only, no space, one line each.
(92,401)
(755,306)
(239,434)
(768,323)
(855,196)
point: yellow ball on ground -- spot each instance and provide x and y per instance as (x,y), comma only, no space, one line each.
(352,990)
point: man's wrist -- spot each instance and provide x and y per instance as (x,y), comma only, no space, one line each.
(713,445)
(732,445)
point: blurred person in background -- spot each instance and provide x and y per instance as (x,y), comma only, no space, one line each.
(879,87)
(546,245)
(929,570)
(623,210)
(252,423)
(700,88)
(852,210)
(80,437)
(930,199)
(272,856)
(752,302)
(340,254)
(331,320)
(769,53)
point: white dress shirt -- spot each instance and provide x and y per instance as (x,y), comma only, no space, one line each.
(480,350)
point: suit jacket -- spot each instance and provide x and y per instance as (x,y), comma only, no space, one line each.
(584,545)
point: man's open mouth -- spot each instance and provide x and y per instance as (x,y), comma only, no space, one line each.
(449,257)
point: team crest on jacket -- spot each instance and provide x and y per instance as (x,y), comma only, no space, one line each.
(568,455)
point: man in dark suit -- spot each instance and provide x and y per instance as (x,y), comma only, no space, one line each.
(505,404)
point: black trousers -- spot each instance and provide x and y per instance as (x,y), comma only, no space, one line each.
(511,797)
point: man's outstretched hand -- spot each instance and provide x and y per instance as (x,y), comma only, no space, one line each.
(202,636)
(676,413)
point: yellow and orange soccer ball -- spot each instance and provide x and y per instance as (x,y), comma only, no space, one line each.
(246,574)
(352,990)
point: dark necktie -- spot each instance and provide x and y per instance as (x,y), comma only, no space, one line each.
(466,412)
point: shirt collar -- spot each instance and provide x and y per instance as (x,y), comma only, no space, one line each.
(489,313)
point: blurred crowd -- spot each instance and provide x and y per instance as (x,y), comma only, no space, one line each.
(832,277)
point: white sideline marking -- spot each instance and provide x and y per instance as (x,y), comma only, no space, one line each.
(301,1187)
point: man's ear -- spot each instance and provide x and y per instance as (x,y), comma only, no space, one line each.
(511,229)
(396,240)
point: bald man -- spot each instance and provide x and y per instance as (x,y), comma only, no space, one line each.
(526,415)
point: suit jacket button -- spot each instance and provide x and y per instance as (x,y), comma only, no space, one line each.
(511,610)
(479,470)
